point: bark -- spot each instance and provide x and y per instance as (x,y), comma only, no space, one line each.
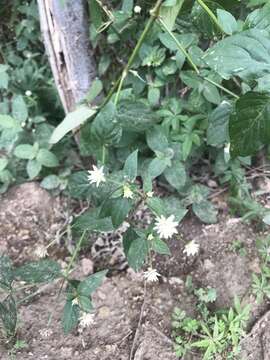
(65,29)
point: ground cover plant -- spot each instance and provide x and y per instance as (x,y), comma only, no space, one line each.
(186,100)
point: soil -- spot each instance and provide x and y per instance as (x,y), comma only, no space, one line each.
(29,216)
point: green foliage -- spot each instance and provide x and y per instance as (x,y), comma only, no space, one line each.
(211,335)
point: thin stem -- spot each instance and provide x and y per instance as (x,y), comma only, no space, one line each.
(210,13)
(103,154)
(124,74)
(221,87)
(118,85)
(179,45)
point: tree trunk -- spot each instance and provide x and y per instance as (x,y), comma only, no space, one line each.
(65,29)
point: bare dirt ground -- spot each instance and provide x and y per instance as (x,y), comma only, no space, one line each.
(30,216)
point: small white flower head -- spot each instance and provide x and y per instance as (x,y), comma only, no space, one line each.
(227,148)
(150,237)
(127,192)
(149,194)
(41,252)
(86,319)
(75,301)
(28,93)
(151,275)
(96,176)
(137,9)
(45,333)
(166,227)
(191,248)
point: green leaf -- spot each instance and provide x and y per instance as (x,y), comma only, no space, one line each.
(205,211)
(9,122)
(19,108)
(156,139)
(8,314)
(47,158)
(117,209)
(246,55)
(4,79)
(38,271)
(173,206)
(169,12)
(227,21)
(249,125)
(157,206)
(33,168)
(131,166)
(50,182)
(153,95)
(71,121)
(25,151)
(160,246)
(94,91)
(176,174)
(70,316)
(135,116)
(137,252)
(157,167)
(259,18)
(6,272)
(79,185)
(90,221)
(91,283)
(218,128)
(105,127)
(85,303)
(127,5)
(3,163)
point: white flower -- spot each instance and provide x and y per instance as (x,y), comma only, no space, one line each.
(227,148)
(166,227)
(75,301)
(151,275)
(86,320)
(96,175)
(192,248)
(28,93)
(149,194)
(45,333)
(150,237)
(41,251)
(137,9)
(127,192)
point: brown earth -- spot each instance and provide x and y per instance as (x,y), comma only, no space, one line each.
(30,216)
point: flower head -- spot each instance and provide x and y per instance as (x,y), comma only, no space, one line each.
(151,275)
(127,192)
(150,237)
(166,227)
(75,301)
(86,319)
(41,251)
(45,333)
(149,194)
(96,176)
(137,9)
(192,248)
(28,93)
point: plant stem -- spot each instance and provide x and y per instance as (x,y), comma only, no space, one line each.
(181,48)
(221,87)
(179,45)
(118,85)
(210,13)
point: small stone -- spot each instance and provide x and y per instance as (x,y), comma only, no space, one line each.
(87,266)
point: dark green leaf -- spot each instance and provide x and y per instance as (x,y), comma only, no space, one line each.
(6,272)
(91,222)
(131,166)
(39,271)
(91,283)
(8,314)
(156,139)
(176,174)
(227,21)
(105,127)
(19,108)
(160,246)
(33,168)
(47,158)
(50,182)
(137,252)
(205,212)
(70,316)
(249,125)
(246,55)
(25,151)
(218,128)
